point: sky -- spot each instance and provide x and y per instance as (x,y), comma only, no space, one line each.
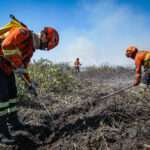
(96,31)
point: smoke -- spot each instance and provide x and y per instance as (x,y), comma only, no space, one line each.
(109,28)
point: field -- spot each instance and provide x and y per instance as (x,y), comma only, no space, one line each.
(78,117)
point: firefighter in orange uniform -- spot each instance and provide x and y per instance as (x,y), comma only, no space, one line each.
(77,65)
(16,51)
(141,58)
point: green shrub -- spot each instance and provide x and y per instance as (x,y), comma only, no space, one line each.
(49,78)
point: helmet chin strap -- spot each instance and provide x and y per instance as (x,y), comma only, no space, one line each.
(133,55)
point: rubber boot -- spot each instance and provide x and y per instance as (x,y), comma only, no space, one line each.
(5,136)
(15,126)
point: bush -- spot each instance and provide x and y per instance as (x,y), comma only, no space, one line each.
(49,78)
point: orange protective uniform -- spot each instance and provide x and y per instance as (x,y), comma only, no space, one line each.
(77,63)
(142,58)
(19,44)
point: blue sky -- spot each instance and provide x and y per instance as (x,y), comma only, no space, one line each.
(97,31)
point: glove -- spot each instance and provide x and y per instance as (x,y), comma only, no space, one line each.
(137,80)
(136,83)
(32,88)
(20,71)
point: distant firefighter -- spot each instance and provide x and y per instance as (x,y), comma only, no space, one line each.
(141,58)
(77,65)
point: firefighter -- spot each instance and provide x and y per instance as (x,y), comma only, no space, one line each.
(77,65)
(141,58)
(16,50)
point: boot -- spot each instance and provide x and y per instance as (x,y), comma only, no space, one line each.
(5,136)
(15,126)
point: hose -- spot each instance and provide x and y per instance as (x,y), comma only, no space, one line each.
(117,92)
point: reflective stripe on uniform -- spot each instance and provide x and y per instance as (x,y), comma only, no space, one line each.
(8,107)
(13,101)
(11,52)
(12,105)
(4,105)
(4,108)
(12,109)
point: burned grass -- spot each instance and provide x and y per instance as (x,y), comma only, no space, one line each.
(81,120)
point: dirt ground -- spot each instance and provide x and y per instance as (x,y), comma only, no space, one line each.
(82,120)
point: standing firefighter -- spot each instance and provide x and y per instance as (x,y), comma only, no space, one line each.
(142,58)
(77,65)
(17,47)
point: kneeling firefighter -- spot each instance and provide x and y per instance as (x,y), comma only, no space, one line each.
(17,45)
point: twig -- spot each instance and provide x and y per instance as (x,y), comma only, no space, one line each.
(146,146)
(107,148)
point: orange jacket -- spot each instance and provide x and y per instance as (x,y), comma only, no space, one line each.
(20,46)
(77,63)
(141,59)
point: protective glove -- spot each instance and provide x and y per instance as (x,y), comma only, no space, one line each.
(20,71)
(137,80)
(136,83)
(32,88)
